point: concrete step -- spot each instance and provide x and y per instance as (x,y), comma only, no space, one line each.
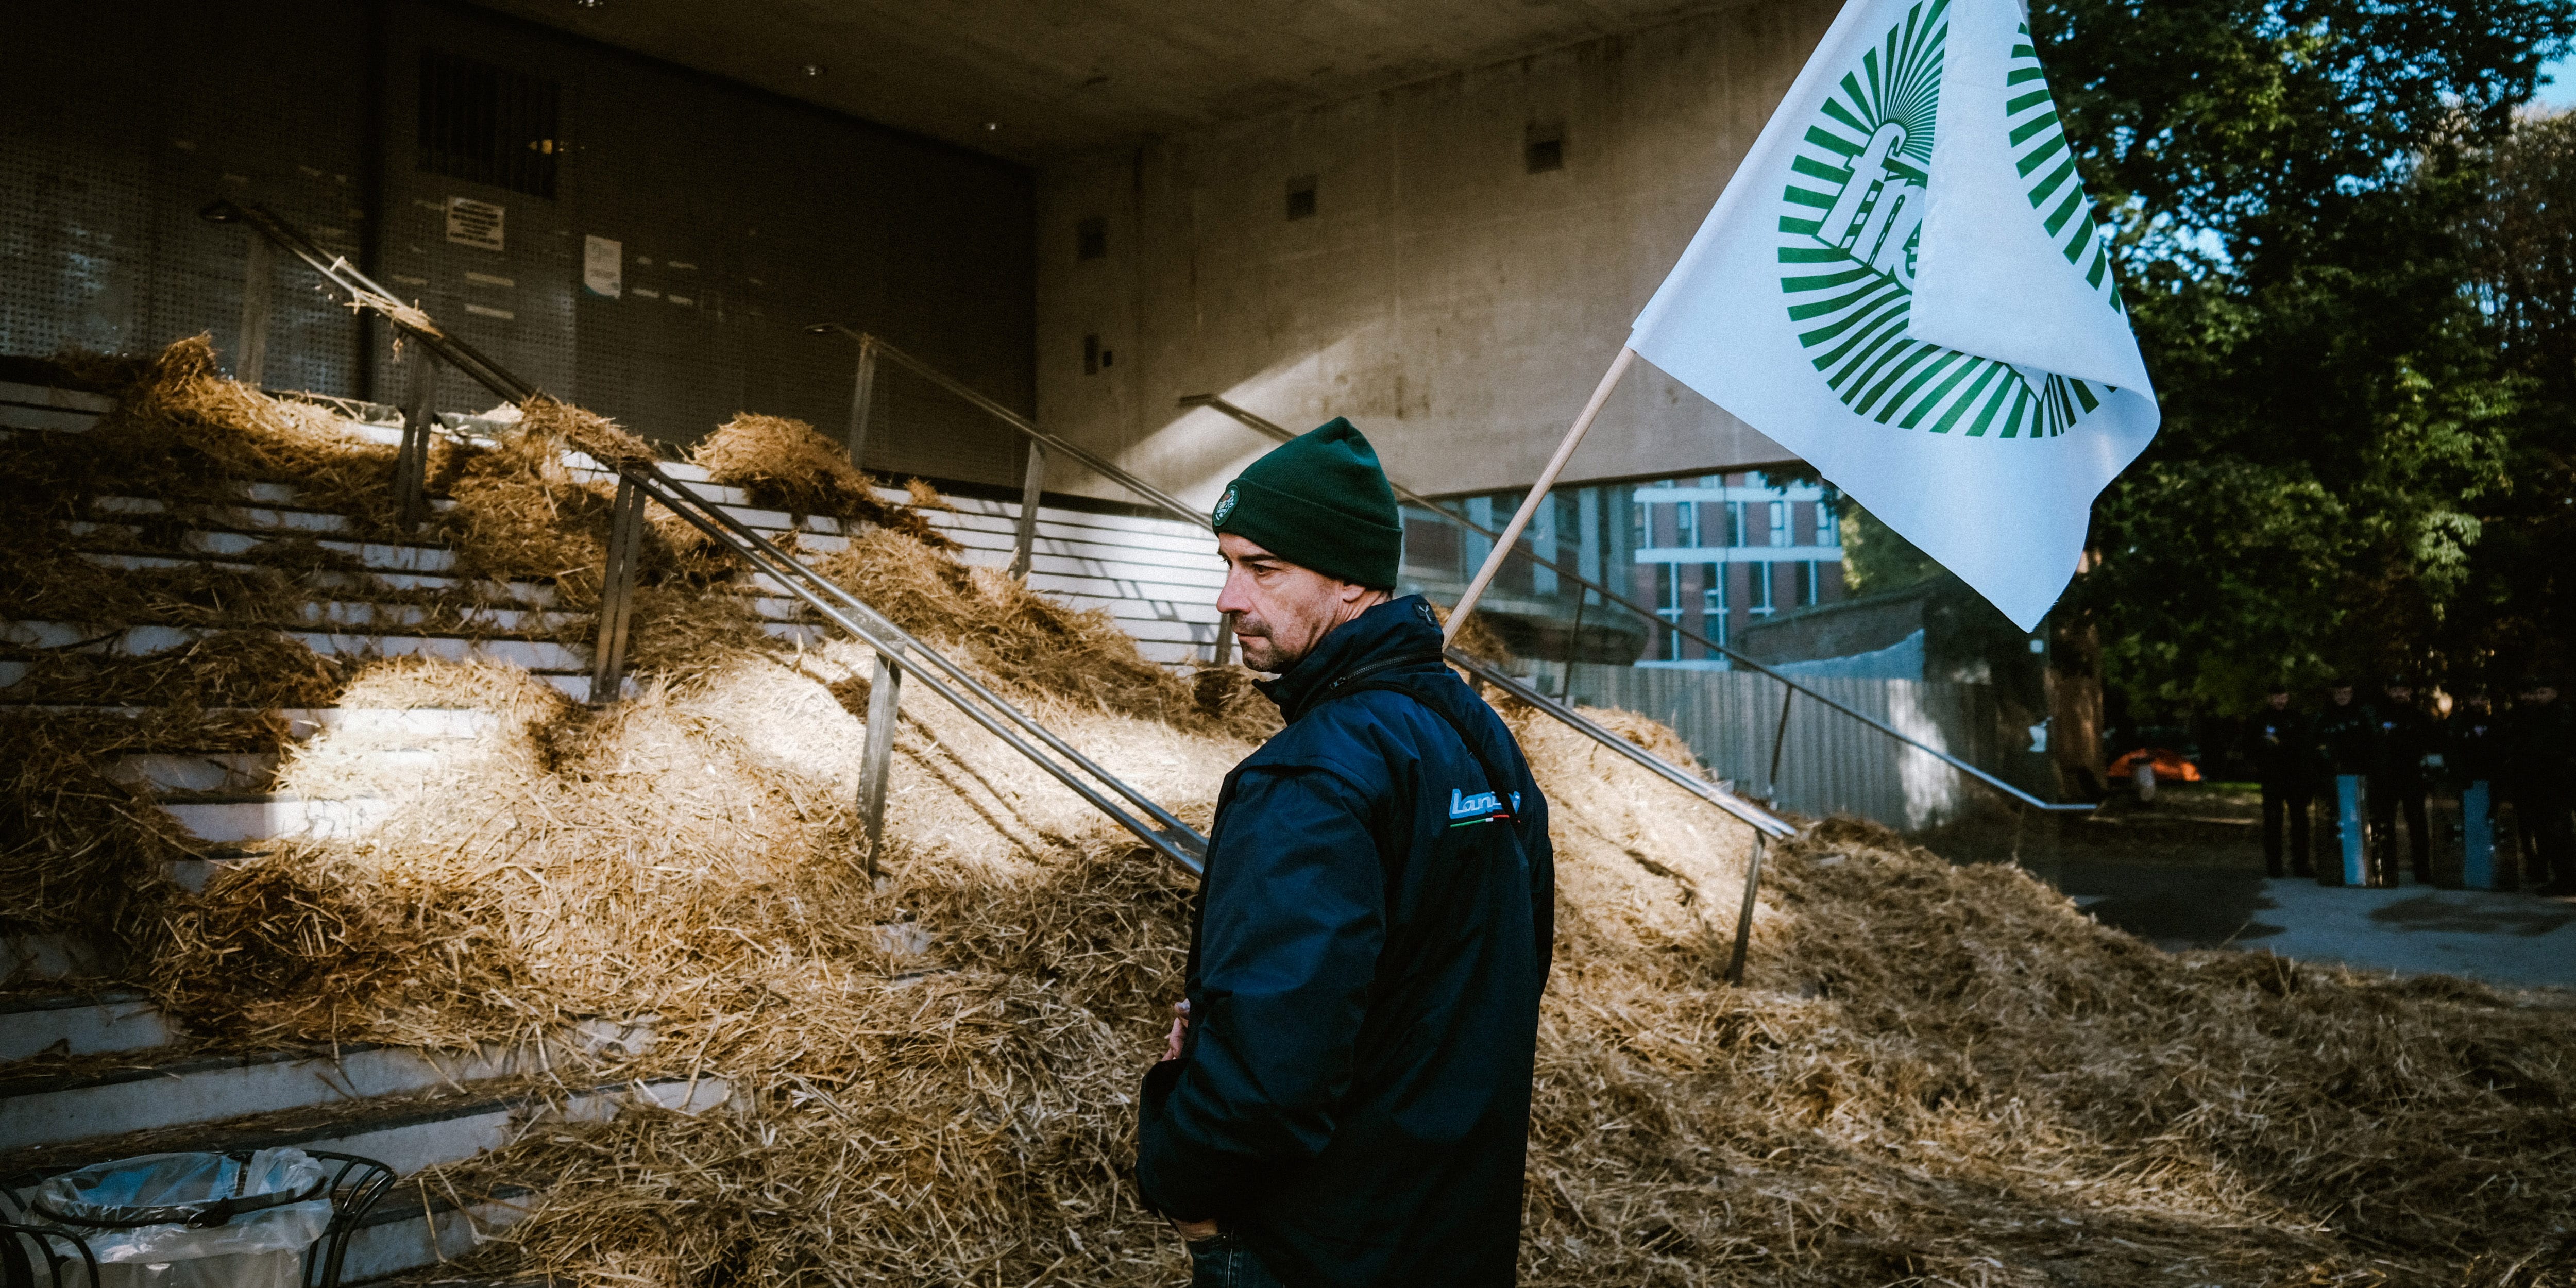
(1196,612)
(1054,536)
(197,771)
(55,956)
(207,774)
(78,1023)
(1159,599)
(263,818)
(41,409)
(1150,572)
(476,622)
(407,1232)
(50,1107)
(406,1132)
(1170,654)
(15,394)
(352,586)
(285,513)
(144,641)
(355,590)
(1155,524)
(230,518)
(417,723)
(414,1228)
(375,556)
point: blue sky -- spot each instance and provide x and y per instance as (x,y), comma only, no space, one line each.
(2562,93)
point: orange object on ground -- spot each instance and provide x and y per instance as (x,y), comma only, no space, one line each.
(2170,766)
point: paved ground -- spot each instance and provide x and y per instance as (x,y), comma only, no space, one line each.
(2187,872)
(2511,939)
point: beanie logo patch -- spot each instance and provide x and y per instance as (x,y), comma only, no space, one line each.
(1225,504)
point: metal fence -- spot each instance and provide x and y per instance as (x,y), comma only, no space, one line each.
(1828,762)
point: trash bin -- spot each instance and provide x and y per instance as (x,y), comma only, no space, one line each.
(239,1220)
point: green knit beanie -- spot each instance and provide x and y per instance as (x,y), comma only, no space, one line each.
(1320,501)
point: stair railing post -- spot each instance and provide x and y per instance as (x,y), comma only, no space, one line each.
(411,464)
(861,396)
(1744,913)
(1032,488)
(1573,647)
(876,758)
(1223,654)
(1779,741)
(259,274)
(617,592)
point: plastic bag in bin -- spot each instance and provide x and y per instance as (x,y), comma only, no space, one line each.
(241,1220)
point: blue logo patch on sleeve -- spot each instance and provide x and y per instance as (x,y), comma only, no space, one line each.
(1483,807)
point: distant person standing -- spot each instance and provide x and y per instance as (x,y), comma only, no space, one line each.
(2347,739)
(2276,742)
(2541,761)
(2473,751)
(2405,739)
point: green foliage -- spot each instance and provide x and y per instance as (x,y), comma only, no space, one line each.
(1875,557)
(2520,602)
(2288,186)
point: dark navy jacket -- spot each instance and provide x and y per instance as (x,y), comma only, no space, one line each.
(2279,745)
(1372,938)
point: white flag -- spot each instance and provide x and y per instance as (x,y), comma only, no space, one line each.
(1903,285)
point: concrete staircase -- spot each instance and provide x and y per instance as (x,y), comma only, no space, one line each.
(90,1070)
(121,1082)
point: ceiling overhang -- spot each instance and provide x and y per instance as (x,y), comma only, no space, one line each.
(1033,81)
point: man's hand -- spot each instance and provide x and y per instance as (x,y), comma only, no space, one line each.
(1172,1051)
(1193,1231)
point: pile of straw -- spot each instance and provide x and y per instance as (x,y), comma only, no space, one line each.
(785,465)
(1936,1074)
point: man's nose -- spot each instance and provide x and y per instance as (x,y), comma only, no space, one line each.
(1230,597)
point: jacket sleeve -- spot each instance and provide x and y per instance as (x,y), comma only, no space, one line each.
(1288,946)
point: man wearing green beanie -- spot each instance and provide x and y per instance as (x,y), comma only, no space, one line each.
(1346,1101)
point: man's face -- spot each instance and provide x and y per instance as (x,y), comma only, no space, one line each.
(2545,694)
(2400,694)
(2278,701)
(1281,611)
(2342,695)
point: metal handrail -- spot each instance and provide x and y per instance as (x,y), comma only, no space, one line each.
(1759,819)
(1175,839)
(877,625)
(1090,460)
(1274,430)
(1762,820)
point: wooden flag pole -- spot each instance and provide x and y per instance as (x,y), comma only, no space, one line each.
(1538,492)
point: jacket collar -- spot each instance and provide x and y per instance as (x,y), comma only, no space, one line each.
(1394,633)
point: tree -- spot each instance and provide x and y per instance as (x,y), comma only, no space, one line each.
(2521,239)
(2287,186)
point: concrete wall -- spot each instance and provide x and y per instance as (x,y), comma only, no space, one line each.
(1456,306)
(742,216)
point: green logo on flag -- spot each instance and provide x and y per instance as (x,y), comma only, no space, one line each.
(1852,222)
(2041,155)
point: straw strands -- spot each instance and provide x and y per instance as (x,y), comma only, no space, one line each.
(1936,1074)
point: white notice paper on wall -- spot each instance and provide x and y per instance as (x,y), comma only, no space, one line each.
(603,266)
(474,223)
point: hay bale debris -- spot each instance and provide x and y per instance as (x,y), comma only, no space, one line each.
(1936,1074)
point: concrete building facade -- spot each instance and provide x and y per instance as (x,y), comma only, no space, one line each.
(629,233)
(1450,263)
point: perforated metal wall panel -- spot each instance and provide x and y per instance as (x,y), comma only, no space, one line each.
(739,219)
(118,121)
